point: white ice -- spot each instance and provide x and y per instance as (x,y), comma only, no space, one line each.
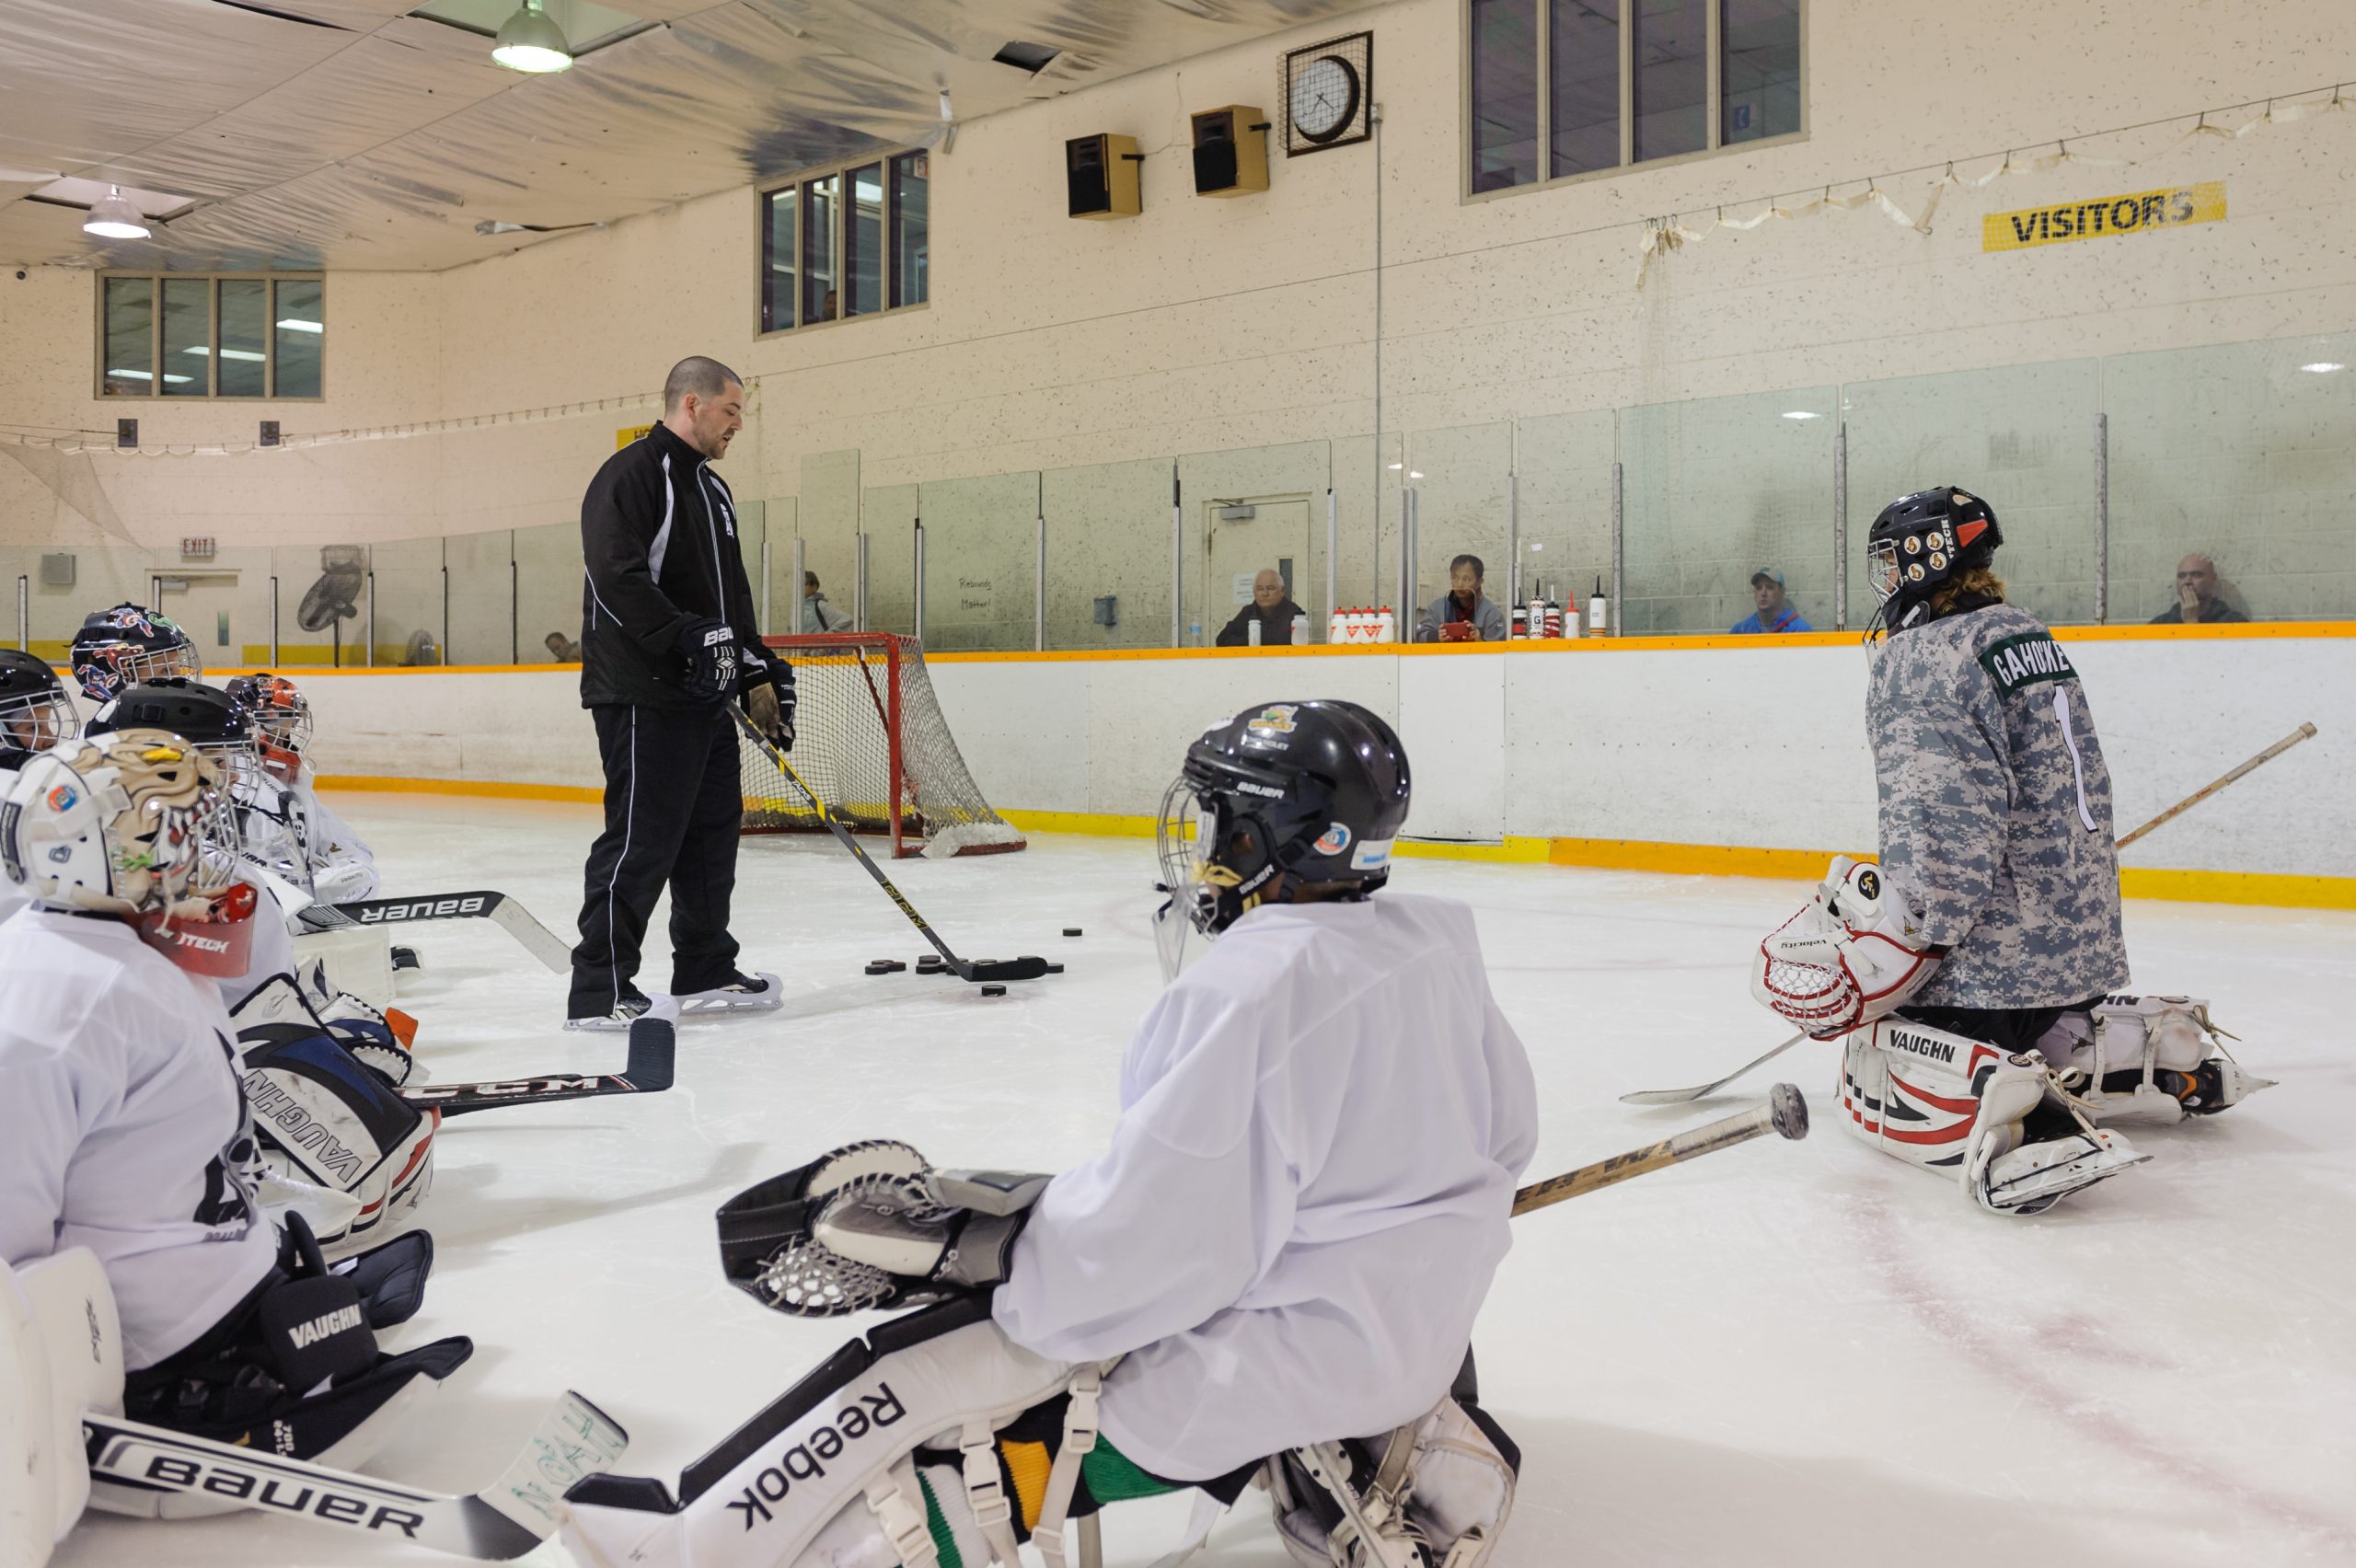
(1785,1354)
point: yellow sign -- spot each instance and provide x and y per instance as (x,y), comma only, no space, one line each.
(624,437)
(2132,213)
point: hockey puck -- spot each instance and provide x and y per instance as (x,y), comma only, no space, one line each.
(1071,930)
(885,966)
(993,990)
(930,964)
(404,957)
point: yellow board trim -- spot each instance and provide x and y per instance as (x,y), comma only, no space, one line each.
(482,788)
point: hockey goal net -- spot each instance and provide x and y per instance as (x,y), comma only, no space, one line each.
(871,740)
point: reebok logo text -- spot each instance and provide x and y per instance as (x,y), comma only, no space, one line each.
(807,1460)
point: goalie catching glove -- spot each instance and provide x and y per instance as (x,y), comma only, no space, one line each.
(1855,953)
(873,1225)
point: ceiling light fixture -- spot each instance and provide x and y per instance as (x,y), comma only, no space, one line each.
(532,43)
(113,217)
(2323,367)
(1802,414)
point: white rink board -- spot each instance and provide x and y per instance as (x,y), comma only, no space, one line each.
(1759,748)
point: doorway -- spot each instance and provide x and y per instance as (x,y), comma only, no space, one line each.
(204,604)
(1243,538)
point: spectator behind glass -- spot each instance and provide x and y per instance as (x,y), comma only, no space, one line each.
(1270,606)
(816,613)
(560,648)
(2198,599)
(1774,612)
(1463,613)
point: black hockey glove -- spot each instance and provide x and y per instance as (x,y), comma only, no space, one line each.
(710,647)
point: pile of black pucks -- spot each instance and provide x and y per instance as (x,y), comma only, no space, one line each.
(885,966)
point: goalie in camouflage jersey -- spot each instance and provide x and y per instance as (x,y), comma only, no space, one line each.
(1975,973)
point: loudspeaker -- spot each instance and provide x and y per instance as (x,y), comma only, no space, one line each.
(1231,152)
(1101,176)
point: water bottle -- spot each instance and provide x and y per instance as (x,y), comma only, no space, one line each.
(1299,630)
(1252,632)
(1385,629)
(1594,612)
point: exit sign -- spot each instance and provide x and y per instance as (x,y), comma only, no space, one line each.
(196,549)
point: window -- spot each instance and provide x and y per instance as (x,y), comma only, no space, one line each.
(196,335)
(1558,89)
(847,242)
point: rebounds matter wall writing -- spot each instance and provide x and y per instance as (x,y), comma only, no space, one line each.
(1234,327)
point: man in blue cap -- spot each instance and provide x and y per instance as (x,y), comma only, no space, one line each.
(1776,613)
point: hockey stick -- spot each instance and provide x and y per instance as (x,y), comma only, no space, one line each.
(496,907)
(2268,755)
(967,969)
(653,1044)
(1680,1096)
(504,1520)
(1785,1115)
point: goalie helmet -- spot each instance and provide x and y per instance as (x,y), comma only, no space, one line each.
(281,717)
(134,826)
(1312,791)
(36,710)
(214,721)
(119,647)
(1921,542)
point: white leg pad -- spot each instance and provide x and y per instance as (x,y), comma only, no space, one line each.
(814,1455)
(1950,1103)
(61,1354)
(357,959)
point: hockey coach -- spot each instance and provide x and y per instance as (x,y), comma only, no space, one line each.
(669,640)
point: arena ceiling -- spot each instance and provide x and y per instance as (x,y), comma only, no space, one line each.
(368,133)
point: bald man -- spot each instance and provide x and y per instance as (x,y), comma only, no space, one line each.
(1270,606)
(2197,601)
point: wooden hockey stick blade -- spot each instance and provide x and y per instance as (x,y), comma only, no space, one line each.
(654,1050)
(776,755)
(504,1520)
(1682,1096)
(1785,1115)
(2268,755)
(496,907)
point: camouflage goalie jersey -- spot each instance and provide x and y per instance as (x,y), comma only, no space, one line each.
(1996,803)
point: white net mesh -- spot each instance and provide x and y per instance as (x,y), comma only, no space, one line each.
(871,741)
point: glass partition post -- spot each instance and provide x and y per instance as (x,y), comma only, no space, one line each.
(798,619)
(1039,576)
(2102,518)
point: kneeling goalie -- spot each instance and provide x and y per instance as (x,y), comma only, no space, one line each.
(1273,1271)
(1974,976)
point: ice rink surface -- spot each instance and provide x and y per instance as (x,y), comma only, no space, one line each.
(1786,1354)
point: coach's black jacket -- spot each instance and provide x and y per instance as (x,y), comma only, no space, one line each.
(658,535)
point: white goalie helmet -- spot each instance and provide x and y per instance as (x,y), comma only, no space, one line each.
(133,825)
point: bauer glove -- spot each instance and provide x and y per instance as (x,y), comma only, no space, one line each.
(710,647)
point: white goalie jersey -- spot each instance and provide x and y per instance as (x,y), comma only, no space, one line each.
(1307,1194)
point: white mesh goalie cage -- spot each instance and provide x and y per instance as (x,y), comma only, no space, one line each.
(871,740)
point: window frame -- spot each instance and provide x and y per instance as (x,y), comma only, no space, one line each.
(1714,89)
(839,225)
(212,280)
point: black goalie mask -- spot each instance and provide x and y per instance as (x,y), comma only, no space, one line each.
(1921,542)
(1310,792)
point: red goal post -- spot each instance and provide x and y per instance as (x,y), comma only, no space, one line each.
(869,738)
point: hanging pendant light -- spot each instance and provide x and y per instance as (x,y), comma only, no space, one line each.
(532,43)
(113,217)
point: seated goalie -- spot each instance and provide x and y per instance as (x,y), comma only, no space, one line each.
(1273,1271)
(1974,976)
(124,1130)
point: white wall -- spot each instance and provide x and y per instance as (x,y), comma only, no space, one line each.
(1754,748)
(1210,326)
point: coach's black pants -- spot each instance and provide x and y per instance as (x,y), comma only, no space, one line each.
(674,804)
